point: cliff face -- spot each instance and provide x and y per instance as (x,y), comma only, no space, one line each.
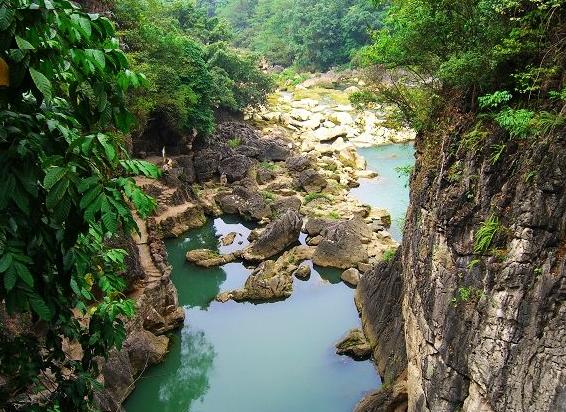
(482,331)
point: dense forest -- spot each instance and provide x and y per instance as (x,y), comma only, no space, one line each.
(79,82)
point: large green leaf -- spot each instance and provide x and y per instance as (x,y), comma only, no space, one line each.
(6,17)
(24,273)
(39,306)
(52,176)
(23,44)
(41,82)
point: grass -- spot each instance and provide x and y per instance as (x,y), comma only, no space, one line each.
(268,196)
(485,234)
(334,215)
(235,142)
(316,195)
(269,166)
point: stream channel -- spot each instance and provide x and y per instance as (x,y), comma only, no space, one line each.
(269,357)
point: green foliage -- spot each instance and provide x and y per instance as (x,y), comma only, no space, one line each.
(496,99)
(269,166)
(405,172)
(311,35)
(190,67)
(516,122)
(505,51)
(316,195)
(467,294)
(65,192)
(290,76)
(268,196)
(389,255)
(485,234)
(334,215)
(234,142)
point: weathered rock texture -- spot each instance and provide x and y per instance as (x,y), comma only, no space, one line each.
(487,335)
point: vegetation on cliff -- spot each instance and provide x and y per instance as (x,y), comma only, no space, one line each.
(504,57)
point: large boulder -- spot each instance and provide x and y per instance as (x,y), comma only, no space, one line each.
(244,201)
(210,258)
(206,164)
(277,236)
(343,245)
(235,167)
(300,114)
(342,118)
(351,276)
(350,157)
(311,181)
(298,163)
(274,150)
(325,134)
(283,204)
(354,345)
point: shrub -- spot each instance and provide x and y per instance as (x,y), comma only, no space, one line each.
(389,255)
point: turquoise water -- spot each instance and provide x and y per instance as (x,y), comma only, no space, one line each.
(275,357)
(390,189)
(271,357)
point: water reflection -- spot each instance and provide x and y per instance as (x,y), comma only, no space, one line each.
(190,381)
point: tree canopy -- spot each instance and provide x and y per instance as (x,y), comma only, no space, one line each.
(313,35)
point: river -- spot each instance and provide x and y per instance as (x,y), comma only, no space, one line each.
(277,356)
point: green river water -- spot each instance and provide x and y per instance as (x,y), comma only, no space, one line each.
(270,357)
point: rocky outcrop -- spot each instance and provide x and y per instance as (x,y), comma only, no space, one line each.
(209,258)
(248,203)
(276,237)
(271,280)
(354,345)
(483,326)
(351,276)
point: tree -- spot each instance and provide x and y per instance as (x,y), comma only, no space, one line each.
(65,191)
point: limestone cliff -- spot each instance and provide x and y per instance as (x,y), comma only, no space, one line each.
(453,329)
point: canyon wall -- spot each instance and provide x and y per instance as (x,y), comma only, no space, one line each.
(453,329)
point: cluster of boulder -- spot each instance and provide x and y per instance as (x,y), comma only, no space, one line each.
(350,244)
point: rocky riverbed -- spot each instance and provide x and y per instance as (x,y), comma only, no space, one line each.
(289,169)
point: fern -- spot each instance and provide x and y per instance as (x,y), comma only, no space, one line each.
(485,234)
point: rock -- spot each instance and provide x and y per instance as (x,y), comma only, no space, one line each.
(229,238)
(300,114)
(209,258)
(303,271)
(248,151)
(311,181)
(245,202)
(352,89)
(325,134)
(354,345)
(315,227)
(341,118)
(344,108)
(351,276)
(271,280)
(145,349)
(223,297)
(350,157)
(298,163)
(283,204)
(315,241)
(343,245)
(274,150)
(380,216)
(305,103)
(276,237)
(235,167)
(364,267)
(206,164)
(366,174)
(264,176)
